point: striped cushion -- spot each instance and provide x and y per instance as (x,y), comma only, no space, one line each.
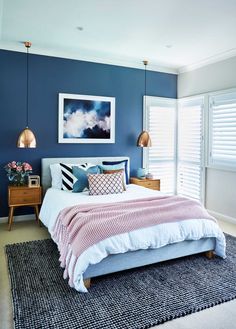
(68,178)
(106,183)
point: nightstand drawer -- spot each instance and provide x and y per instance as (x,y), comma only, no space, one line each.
(24,196)
(153,184)
(27,199)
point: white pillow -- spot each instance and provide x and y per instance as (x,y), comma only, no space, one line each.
(56,175)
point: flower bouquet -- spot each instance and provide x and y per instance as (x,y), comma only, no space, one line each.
(17,172)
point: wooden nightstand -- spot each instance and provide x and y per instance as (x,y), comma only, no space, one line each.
(19,196)
(153,184)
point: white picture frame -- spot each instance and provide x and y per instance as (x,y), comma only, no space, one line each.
(86,119)
(33,181)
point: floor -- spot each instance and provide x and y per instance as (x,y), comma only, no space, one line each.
(218,317)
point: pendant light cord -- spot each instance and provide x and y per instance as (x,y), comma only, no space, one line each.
(145,86)
(27,88)
(145,82)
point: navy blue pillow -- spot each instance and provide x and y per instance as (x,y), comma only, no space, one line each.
(82,179)
(117,162)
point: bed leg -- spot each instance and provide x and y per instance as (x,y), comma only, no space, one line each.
(209,254)
(87,283)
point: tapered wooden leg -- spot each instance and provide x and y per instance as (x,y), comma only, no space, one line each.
(209,254)
(87,283)
(36,210)
(10,217)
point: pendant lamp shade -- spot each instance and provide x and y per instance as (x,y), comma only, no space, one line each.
(144,139)
(27,138)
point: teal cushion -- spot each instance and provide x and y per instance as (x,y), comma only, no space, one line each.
(82,180)
(125,162)
(112,167)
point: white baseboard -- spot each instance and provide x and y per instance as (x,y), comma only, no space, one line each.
(21,218)
(222,217)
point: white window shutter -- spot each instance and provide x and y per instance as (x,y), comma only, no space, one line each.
(190,148)
(222,130)
(160,122)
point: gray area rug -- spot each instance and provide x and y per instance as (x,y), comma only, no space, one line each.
(139,298)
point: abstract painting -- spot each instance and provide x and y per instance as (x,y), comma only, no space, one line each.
(86,119)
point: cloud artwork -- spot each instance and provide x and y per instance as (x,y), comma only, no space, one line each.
(86,119)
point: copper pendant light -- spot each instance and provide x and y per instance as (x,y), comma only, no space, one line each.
(144,139)
(27,138)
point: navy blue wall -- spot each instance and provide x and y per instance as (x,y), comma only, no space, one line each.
(49,76)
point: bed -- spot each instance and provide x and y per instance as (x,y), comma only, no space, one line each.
(163,242)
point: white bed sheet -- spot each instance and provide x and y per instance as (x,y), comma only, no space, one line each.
(55,200)
(151,237)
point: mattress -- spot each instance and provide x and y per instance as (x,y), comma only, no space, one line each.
(146,238)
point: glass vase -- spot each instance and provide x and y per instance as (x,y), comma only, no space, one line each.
(141,172)
(17,180)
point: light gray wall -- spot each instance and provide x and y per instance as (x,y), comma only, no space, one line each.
(220,185)
(213,77)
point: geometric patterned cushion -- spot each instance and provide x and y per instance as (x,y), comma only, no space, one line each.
(105,183)
(115,171)
(68,178)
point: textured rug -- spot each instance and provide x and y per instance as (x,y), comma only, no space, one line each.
(139,298)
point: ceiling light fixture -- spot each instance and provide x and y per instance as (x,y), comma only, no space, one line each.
(27,138)
(144,139)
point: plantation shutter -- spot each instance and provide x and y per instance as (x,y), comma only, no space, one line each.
(160,122)
(190,148)
(222,130)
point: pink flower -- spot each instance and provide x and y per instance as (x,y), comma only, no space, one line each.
(27,166)
(19,168)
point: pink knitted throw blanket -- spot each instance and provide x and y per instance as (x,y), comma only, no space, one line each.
(79,227)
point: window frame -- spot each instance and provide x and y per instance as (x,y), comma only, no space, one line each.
(204,135)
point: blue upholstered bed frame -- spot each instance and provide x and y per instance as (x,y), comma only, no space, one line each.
(128,260)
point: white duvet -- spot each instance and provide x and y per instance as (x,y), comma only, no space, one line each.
(152,237)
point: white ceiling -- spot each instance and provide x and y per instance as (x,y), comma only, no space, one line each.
(123,32)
